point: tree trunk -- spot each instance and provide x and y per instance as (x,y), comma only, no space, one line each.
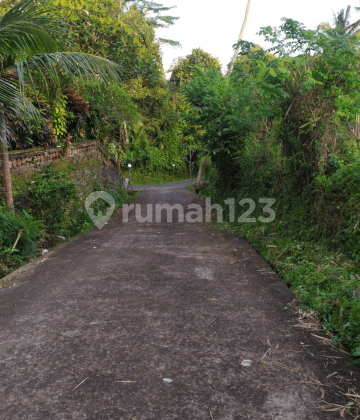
(126,137)
(236,53)
(6,167)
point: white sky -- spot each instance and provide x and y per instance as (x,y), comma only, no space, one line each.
(215,26)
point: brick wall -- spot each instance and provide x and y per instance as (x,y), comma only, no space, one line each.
(25,159)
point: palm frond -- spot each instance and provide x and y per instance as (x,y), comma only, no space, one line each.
(77,66)
(24,31)
(24,39)
(24,9)
(13,106)
(29,52)
(348,13)
(353,28)
(342,18)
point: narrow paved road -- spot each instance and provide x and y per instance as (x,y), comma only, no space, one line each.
(159,321)
(180,184)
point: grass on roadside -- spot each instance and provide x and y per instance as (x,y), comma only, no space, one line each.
(325,281)
(324,278)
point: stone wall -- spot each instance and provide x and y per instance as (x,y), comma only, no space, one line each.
(27,159)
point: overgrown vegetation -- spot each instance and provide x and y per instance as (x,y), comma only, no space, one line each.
(282,126)
(112,110)
(18,240)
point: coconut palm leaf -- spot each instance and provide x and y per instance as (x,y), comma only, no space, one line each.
(29,54)
(25,31)
(77,66)
(353,28)
(12,105)
(29,51)
(12,102)
(342,19)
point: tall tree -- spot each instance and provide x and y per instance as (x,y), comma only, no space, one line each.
(236,53)
(183,68)
(29,54)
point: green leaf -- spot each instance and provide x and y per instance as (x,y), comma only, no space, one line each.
(356,352)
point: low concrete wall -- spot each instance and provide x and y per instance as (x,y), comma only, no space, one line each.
(25,159)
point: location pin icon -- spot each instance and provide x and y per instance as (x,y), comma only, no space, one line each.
(101,218)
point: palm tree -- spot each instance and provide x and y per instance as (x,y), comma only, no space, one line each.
(236,53)
(341,20)
(30,53)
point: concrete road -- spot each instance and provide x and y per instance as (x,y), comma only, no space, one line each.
(177,185)
(160,321)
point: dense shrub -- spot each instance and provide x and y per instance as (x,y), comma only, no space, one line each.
(48,197)
(19,234)
(278,127)
(337,207)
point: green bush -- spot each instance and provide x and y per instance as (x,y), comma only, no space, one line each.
(337,207)
(54,198)
(48,196)
(143,155)
(23,229)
